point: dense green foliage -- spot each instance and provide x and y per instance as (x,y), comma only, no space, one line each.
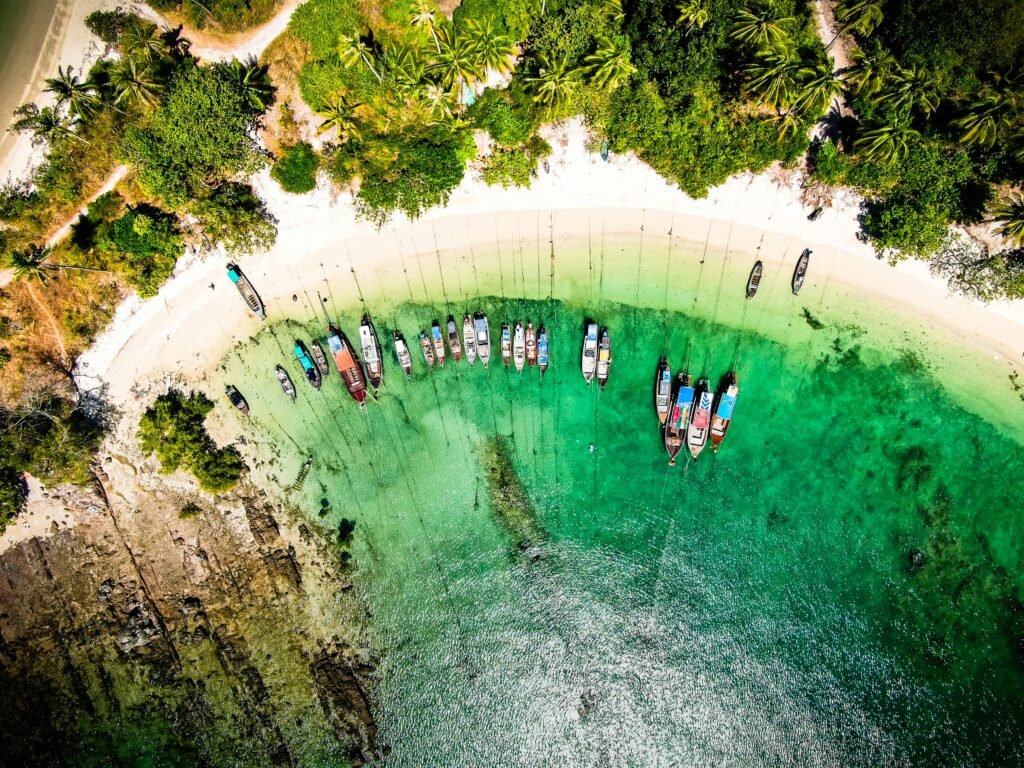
(296,169)
(234,216)
(515,166)
(231,15)
(173,429)
(143,244)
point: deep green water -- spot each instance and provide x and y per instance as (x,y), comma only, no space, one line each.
(840,585)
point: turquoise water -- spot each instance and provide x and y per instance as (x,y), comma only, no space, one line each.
(840,585)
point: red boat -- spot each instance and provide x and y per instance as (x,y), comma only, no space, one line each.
(348,364)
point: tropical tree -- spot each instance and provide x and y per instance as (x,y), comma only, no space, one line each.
(862,17)
(253,80)
(439,102)
(694,14)
(177,47)
(492,50)
(33,263)
(774,77)
(136,81)
(47,125)
(911,87)
(612,9)
(340,116)
(609,66)
(423,15)
(1010,216)
(404,66)
(79,96)
(988,115)
(819,85)
(761,26)
(143,41)
(788,123)
(457,64)
(869,69)
(887,142)
(554,83)
(352,50)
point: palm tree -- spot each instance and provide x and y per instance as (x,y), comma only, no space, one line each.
(869,70)
(612,9)
(135,81)
(79,96)
(774,77)
(457,64)
(33,264)
(253,80)
(693,13)
(47,125)
(143,41)
(789,123)
(863,17)
(439,101)
(403,66)
(761,26)
(609,66)
(818,86)
(339,115)
(909,88)
(1010,216)
(987,117)
(887,142)
(553,83)
(492,50)
(352,50)
(423,16)
(177,47)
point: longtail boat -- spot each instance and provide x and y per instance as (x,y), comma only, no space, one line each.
(801,270)
(285,381)
(308,367)
(402,353)
(754,281)
(589,361)
(252,299)
(236,399)
(519,347)
(373,361)
(506,344)
(320,358)
(543,351)
(678,418)
(604,357)
(438,341)
(531,344)
(469,338)
(662,390)
(723,410)
(453,339)
(347,364)
(483,338)
(697,432)
(427,349)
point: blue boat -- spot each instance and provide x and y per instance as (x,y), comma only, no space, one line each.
(724,409)
(542,349)
(679,418)
(662,389)
(308,368)
(252,299)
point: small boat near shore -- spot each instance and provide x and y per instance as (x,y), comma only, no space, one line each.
(723,410)
(252,299)
(483,338)
(754,281)
(506,344)
(453,339)
(312,371)
(801,270)
(236,399)
(531,344)
(427,348)
(347,364)
(320,358)
(285,381)
(679,418)
(697,432)
(372,359)
(519,347)
(662,390)
(588,363)
(543,350)
(604,357)
(438,341)
(402,353)
(469,339)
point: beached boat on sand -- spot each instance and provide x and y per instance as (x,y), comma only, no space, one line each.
(801,270)
(519,347)
(320,358)
(427,348)
(347,364)
(531,344)
(588,362)
(469,338)
(438,341)
(372,358)
(309,368)
(543,350)
(678,418)
(453,339)
(754,281)
(402,353)
(236,399)
(723,410)
(252,299)
(604,357)
(697,432)
(662,390)
(285,381)
(483,338)
(506,344)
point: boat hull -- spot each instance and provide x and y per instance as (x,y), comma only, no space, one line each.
(700,422)
(723,412)
(662,390)
(469,339)
(347,364)
(483,338)
(588,361)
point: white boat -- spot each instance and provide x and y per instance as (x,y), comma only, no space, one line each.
(697,432)
(427,349)
(371,352)
(402,353)
(531,344)
(469,339)
(438,340)
(453,339)
(519,347)
(604,357)
(589,361)
(483,338)
(662,389)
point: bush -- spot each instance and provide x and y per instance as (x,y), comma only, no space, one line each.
(143,245)
(236,218)
(508,123)
(322,22)
(296,169)
(517,166)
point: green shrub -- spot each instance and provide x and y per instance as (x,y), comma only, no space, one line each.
(508,123)
(296,169)
(144,245)
(514,167)
(320,23)
(236,218)
(189,509)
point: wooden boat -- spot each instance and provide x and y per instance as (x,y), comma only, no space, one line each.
(483,338)
(543,350)
(438,341)
(252,299)
(347,364)
(589,361)
(697,432)
(604,357)
(236,398)
(469,338)
(506,344)
(723,410)
(373,361)
(801,270)
(531,344)
(678,418)
(285,381)
(312,372)
(320,358)
(662,390)
(453,339)
(402,353)
(519,347)
(428,350)
(754,281)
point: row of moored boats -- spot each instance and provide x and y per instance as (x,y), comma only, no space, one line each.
(691,413)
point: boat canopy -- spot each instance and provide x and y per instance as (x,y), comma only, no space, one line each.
(725,406)
(234,274)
